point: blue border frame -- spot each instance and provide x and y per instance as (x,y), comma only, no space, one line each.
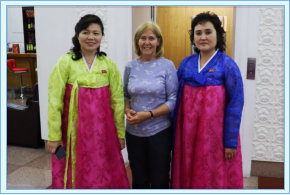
(148,1)
(0,105)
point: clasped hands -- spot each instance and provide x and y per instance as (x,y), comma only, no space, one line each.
(134,117)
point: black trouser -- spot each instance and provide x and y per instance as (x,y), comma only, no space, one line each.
(149,159)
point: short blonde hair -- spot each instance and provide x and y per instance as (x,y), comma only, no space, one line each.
(156,30)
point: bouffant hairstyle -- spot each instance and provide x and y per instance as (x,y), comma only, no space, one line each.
(82,24)
(214,19)
(156,30)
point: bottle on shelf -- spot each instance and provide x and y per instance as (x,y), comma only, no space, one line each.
(28,23)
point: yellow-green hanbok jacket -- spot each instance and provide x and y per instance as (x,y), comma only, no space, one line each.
(86,112)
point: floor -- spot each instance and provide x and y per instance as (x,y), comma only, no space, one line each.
(13,96)
(29,168)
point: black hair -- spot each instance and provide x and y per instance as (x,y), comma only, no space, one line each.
(214,19)
(82,24)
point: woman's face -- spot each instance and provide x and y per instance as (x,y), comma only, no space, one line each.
(148,43)
(205,37)
(90,38)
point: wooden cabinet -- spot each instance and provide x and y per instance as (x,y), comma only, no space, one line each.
(28,29)
(23,60)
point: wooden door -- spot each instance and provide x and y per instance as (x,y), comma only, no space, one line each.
(175,23)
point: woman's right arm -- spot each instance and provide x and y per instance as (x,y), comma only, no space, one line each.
(56,89)
(128,111)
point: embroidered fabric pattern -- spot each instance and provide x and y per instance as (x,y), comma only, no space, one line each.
(149,85)
(207,120)
(92,108)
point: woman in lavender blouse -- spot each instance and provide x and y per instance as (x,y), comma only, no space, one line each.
(150,87)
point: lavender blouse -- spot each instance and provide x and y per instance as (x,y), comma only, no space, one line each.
(148,85)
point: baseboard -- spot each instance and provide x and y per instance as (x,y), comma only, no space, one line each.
(270,183)
(267,169)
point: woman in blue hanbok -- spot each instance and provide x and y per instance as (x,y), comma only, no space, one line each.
(207,151)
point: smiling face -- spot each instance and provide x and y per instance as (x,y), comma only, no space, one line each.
(148,43)
(205,37)
(90,38)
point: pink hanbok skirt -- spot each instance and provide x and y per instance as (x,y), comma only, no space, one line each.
(199,161)
(99,162)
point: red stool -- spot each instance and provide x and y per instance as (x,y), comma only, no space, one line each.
(11,63)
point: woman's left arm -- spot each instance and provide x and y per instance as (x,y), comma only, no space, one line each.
(234,108)
(117,100)
(171,87)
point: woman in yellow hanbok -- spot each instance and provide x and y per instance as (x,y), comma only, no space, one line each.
(86,114)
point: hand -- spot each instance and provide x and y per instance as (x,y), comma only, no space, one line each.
(51,146)
(122,143)
(230,153)
(138,118)
(130,113)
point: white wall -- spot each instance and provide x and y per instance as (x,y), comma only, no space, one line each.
(245,46)
(54,30)
(119,35)
(259,34)
(140,14)
(15,26)
(268,139)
